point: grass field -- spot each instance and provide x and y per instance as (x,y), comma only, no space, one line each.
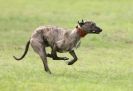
(105,61)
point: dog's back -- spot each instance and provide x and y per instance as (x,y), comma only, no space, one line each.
(50,34)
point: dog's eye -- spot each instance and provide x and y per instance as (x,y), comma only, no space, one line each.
(93,24)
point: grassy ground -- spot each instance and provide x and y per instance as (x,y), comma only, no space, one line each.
(105,61)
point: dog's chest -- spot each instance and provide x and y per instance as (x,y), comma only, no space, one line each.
(66,45)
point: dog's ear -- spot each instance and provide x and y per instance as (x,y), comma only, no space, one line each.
(81,23)
(78,22)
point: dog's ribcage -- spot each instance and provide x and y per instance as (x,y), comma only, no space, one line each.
(63,39)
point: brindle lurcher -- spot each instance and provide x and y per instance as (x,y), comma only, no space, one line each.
(60,40)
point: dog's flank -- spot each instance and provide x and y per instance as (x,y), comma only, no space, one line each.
(59,40)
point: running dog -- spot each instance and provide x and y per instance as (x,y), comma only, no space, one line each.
(59,40)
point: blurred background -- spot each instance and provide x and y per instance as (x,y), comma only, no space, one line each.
(105,60)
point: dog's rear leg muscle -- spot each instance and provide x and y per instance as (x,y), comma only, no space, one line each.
(39,48)
(74,58)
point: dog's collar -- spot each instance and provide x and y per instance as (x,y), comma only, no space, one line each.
(81,32)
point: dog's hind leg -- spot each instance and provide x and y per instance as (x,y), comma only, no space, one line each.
(39,48)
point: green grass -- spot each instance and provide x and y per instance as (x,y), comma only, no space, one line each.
(105,61)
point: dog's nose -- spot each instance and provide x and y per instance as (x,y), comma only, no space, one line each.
(101,30)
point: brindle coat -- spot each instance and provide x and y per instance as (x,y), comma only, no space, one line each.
(60,40)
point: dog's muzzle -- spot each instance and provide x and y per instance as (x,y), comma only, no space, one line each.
(98,30)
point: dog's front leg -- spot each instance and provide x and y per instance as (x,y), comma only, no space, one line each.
(54,55)
(74,58)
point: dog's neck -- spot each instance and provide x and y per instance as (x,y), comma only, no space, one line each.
(80,32)
(77,34)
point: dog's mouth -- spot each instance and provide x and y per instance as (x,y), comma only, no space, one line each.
(96,32)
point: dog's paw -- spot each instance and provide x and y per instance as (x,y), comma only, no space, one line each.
(49,55)
(60,58)
(48,71)
(69,63)
(65,58)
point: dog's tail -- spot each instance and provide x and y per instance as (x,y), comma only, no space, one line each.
(25,52)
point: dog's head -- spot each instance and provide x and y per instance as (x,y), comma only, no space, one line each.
(89,27)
